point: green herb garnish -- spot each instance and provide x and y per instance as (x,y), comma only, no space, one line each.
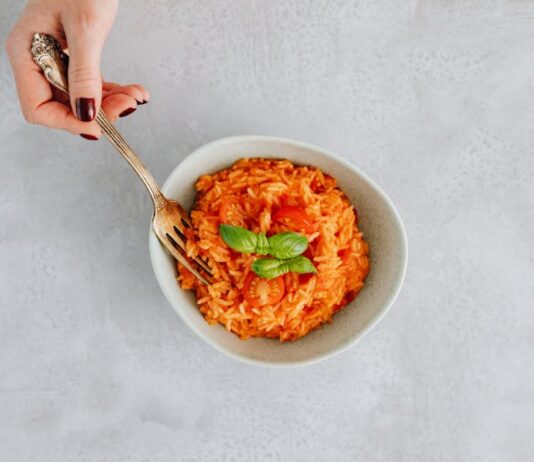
(243,240)
(301,264)
(270,268)
(285,247)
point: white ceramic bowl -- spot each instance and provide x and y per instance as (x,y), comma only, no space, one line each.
(378,219)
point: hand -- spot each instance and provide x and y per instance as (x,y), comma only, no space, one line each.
(81,26)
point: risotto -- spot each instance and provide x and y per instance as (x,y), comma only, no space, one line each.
(271,197)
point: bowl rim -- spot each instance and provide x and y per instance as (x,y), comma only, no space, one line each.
(154,243)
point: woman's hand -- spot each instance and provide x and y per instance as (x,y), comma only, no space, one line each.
(81,26)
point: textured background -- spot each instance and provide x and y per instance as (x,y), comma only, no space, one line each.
(433,99)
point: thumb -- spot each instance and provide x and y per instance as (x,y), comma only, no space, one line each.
(85,81)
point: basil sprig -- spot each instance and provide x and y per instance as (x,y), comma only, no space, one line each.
(270,268)
(285,247)
(243,240)
(262,245)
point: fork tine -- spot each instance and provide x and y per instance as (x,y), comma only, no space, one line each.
(180,247)
(203,265)
(181,243)
(172,224)
(185,216)
(184,260)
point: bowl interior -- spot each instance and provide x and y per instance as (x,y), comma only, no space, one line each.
(378,220)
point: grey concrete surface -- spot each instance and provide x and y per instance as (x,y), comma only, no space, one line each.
(433,99)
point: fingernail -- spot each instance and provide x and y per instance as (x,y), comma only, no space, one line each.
(85,109)
(88,137)
(127,111)
(142,102)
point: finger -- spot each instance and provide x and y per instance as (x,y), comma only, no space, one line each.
(86,40)
(107,86)
(115,106)
(129,90)
(118,105)
(146,94)
(57,115)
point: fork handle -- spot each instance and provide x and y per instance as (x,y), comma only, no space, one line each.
(47,53)
(116,139)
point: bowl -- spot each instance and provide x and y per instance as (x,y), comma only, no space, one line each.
(378,219)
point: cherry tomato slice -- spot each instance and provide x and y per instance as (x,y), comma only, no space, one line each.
(232,213)
(259,291)
(296,217)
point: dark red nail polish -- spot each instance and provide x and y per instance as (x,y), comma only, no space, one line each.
(127,111)
(85,109)
(88,137)
(142,102)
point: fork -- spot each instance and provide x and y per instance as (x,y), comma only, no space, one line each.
(170,221)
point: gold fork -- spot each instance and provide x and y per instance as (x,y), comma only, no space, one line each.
(170,221)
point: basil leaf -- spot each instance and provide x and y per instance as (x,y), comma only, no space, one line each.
(262,246)
(238,238)
(287,245)
(269,268)
(301,265)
